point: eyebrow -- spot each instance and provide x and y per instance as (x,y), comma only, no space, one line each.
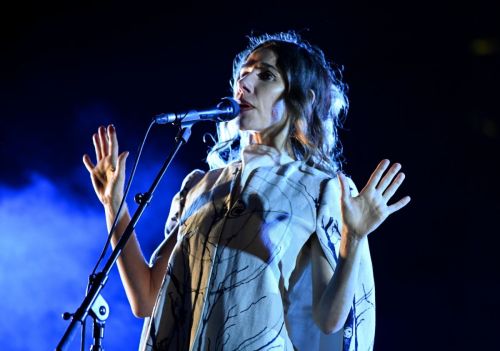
(252,63)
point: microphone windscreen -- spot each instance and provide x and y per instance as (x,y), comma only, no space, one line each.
(231,106)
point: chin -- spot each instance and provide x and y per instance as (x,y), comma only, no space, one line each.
(242,125)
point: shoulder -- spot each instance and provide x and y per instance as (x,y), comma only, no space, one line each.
(199,179)
(330,193)
(323,181)
(300,170)
(193,177)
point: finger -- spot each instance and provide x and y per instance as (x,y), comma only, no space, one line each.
(97,147)
(345,191)
(88,163)
(394,186)
(103,140)
(399,205)
(377,174)
(387,179)
(113,145)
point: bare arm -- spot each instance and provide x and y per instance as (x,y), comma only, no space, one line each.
(141,282)
(333,291)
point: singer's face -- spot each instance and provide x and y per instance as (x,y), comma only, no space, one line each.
(260,92)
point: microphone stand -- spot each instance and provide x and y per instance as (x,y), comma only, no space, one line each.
(99,280)
(99,313)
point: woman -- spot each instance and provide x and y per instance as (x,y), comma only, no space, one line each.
(268,249)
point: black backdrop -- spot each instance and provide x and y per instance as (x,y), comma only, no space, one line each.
(423,81)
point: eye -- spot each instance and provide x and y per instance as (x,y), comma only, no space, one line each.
(266,75)
(243,74)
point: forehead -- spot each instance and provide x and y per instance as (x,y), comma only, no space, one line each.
(264,55)
(261,56)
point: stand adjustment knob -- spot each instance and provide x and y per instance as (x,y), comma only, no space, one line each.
(67,316)
(102,310)
(138,198)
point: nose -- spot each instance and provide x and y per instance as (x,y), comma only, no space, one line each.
(245,84)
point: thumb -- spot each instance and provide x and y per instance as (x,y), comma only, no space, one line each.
(345,191)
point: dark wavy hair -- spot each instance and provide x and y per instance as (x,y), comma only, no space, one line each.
(313,117)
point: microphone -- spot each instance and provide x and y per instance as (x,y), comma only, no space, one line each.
(224,111)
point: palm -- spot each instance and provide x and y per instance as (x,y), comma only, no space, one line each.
(108,174)
(104,178)
(364,213)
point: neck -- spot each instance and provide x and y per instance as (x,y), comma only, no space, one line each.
(275,136)
(278,142)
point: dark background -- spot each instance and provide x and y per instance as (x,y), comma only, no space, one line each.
(423,91)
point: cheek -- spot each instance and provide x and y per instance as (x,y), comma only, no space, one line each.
(278,111)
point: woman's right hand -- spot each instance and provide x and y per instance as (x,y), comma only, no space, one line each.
(108,175)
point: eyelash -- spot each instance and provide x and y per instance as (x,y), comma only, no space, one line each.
(264,75)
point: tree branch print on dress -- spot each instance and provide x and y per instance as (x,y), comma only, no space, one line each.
(333,233)
(239,236)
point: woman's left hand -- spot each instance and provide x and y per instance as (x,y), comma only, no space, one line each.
(364,213)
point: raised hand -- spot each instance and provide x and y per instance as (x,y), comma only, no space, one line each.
(364,213)
(108,175)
